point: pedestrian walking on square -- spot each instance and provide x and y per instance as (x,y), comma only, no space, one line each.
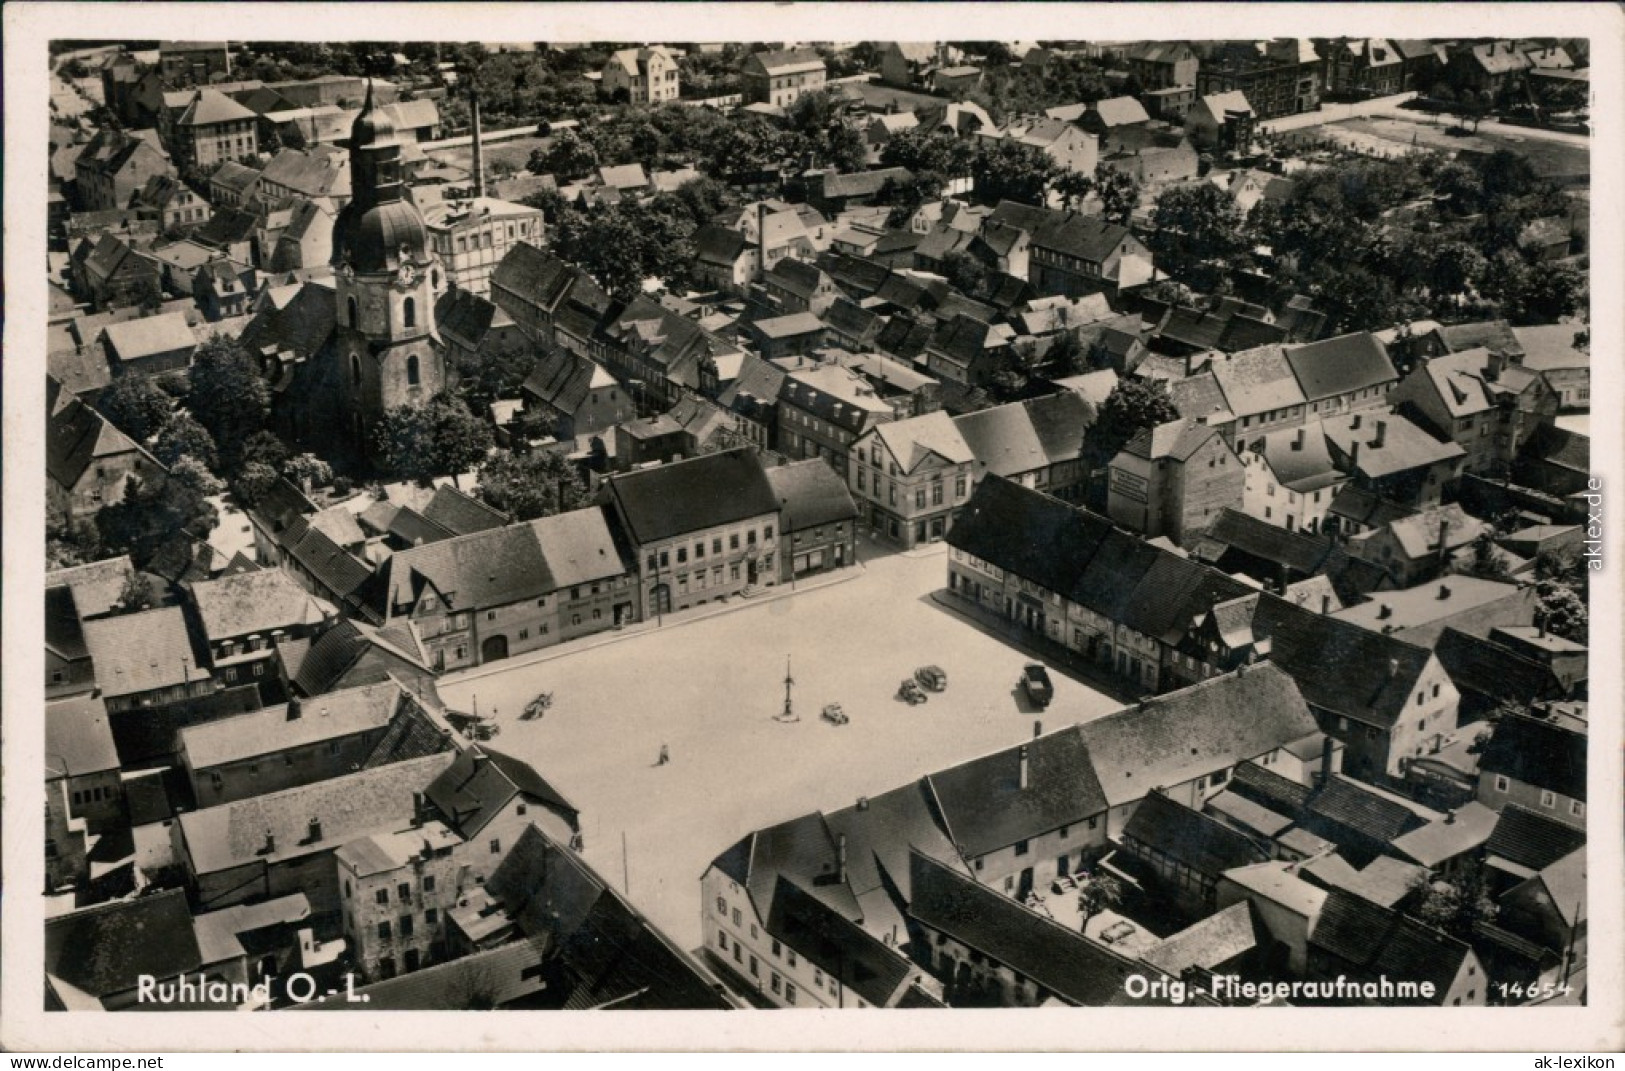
(665,756)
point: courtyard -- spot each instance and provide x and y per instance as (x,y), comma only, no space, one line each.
(709,690)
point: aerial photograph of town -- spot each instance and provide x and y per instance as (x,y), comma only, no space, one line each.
(657,525)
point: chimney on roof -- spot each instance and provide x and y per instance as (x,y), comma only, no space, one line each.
(1325,603)
(315,830)
(1038,729)
(1023,774)
(270,842)
(1298,440)
(1354,425)
(1444,591)
(1493,366)
(1354,454)
(863,803)
(1325,759)
(479,155)
(1450,817)
(417,808)
(1382,433)
(1444,538)
(840,859)
(293,709)
(1393,668)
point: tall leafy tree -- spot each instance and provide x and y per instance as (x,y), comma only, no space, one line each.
(1007,170)
(439,439)
(1132,405)
(137,406)
(527,486)
(228,396)
(185,437)
(150,514)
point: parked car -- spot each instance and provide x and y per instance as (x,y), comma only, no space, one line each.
(910,692)
(835,715)
(1035,680)
(932,678)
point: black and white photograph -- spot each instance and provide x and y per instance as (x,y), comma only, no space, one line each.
(616,522)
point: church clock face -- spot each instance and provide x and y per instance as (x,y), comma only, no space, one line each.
(406,276)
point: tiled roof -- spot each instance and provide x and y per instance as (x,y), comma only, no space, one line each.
(134,339)
(1214,941)
(913,440)
(284,726)
(837,946)
(1278,883)
(109,948)
(1089,238)
(97,586)
(1219,103)
(334,568)
(1177,439)
(1246,815)
(719,246)
(460,514)
(880,832)
(78,740)
(1349,805)
(1056,540)
(578,546)
(490,568)
(1065,963)
(210,106)
(986,807)
(563,379)
(1258,380)
(1190,838)
(476,787)
(1023,437)
(1341,365)
(1487,668)
(349,806)
(253,602)
(1182,735)
(1538,752)
(309,174)
(1341,668)
(1532,840)
(1269,789)
(141,652)
(687,496)
(787,61)
(812,494)
(339,655)
(1418,535)
(1465,830)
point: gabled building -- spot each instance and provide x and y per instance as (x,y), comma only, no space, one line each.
(170,202)
(1407,963)
(284,842)
(580,397)
(909,477)
(471,237)
(1173,480)
(305,740)
(1183,853)
(1536,761)
(244,617)
(1482,400)
(1421,547)
(724,258)
(698,530)
(214,128)
(1076,255)
(1162,64)
(824,409)
(113,272)
(82,759)
(100,958)
(967,351)
(1363,67)
(649,75)
(146,659)
(499,592)
(1279,77)
(1221,121)
(1391,457)
(114,166)
(778,77)
(1291,479)
(90,461)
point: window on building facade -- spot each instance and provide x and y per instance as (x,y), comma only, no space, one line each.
(383,930)
(381,896)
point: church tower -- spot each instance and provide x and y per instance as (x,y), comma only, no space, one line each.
(386,279)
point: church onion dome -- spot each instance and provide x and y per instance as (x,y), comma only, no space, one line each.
(372,125)
(380,237)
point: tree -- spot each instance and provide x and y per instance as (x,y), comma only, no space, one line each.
(1196,223)
(1098,891)
(492,372)
(964,273)
(1563,611)
(1007,170)
(266,449)
(309,469)
(439,439)
(253,480)
(135,595)
(1119,194)
(228,396)
(924,151)
(1454,268)
(182,437)
(195,476)
(527,486)
(149,515)
(568,156)
(1454,906)
(68,540)
(1134,404)
(137,406)
(1487,562)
